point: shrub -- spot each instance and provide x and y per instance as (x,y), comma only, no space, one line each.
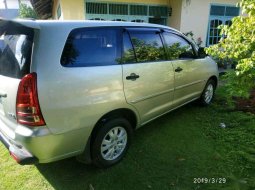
(238,45)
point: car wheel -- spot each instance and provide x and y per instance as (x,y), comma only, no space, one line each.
(208,93)
(111,142)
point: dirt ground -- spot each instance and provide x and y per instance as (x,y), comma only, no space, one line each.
(246,105)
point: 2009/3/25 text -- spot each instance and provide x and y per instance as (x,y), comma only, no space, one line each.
(210,180)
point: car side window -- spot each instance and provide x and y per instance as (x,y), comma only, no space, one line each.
(146,45)
(177,47)
(92,47)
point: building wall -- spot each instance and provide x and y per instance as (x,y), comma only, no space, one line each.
(70,9)
(75,9)
(187,15)
(195,16)
(175,20)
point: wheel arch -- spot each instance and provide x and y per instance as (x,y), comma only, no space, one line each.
(122,112)
(215,79)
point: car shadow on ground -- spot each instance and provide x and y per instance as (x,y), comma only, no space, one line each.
(68,173)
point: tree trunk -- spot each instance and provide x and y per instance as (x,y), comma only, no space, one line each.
(5,4)
(19,3)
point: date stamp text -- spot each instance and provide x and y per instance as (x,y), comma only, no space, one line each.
(212,180)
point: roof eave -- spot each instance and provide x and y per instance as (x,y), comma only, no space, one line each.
(43,8)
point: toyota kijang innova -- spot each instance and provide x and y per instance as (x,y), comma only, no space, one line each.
(81,88)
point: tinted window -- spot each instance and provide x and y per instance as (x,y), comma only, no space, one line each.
(177,46)
(148,46)
(91,47)
(15,55)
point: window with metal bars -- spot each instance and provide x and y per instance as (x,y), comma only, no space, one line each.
(139,10)
(118,9)
(219,14)
(125,9)
(96,8)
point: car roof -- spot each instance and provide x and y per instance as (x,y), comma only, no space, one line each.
(37,24)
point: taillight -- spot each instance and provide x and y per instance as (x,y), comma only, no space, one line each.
(27,105)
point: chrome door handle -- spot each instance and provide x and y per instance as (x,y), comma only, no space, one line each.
(178,69)
(132,77)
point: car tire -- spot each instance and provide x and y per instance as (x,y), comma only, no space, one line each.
(208,93)
(111,142)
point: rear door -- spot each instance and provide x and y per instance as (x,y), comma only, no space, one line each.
(148,78)
(15,60)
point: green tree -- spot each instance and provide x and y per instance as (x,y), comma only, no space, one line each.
(26,11)
(238,45)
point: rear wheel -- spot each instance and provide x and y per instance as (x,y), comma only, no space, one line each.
(208,93)
(111,142)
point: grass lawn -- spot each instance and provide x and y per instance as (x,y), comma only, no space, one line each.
(168,153)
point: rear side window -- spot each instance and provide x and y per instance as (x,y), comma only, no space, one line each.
(92,47)
(147,46)
(15,54)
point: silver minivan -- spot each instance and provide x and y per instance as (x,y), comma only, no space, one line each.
(81,88)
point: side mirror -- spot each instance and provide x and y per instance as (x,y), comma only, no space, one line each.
(201,52)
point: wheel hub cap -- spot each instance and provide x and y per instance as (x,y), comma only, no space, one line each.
(114,143)
(209,93)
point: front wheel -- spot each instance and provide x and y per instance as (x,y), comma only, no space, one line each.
(111,142)
(208,93)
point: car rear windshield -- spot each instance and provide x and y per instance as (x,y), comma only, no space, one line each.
(15,54)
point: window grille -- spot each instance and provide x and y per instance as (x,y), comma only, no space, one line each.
(118,9)
(138,10)
(96,8)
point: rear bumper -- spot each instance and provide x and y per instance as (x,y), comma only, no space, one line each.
(18,152)
(39,145)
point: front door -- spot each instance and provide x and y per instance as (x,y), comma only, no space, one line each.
(189,81)
(148,78)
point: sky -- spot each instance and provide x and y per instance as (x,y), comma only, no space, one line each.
(13,4)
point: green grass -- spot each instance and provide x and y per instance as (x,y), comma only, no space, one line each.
(168,153)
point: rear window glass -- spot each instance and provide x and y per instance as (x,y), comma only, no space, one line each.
(15,55)
(92,47)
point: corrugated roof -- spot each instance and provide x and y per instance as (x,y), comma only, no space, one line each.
(43,8)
